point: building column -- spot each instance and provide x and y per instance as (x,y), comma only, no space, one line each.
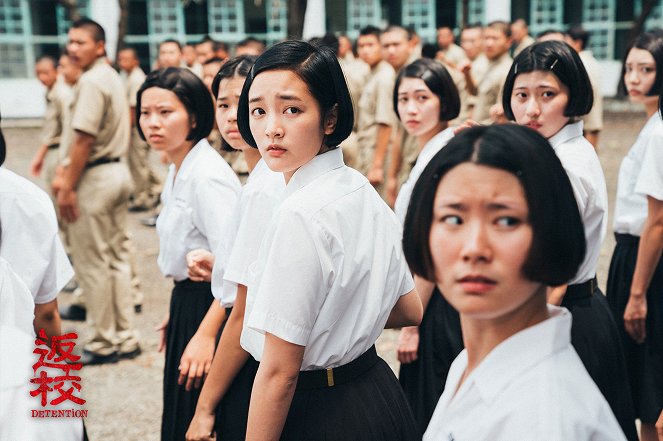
(107,14)
(314,20)
(497,10)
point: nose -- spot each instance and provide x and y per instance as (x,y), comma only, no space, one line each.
(477,244)
(632,77)
(533,110)
(150,119)
(232,113)
(273,128)
(411,107)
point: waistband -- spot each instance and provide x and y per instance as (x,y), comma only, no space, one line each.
(101,161)
(626,239)
(53,146)
(581,290)
(189,282)
(339,375)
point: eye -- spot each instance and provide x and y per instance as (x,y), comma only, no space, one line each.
(222,105)
(257,112)
(508,221)
(402,99)
(165,111)
(648,69)
(452,219)
(548,94)
(422,98)
(520,95)
(292,110)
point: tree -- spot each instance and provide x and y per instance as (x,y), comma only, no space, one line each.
(296,12)
(123,23)
(71,7)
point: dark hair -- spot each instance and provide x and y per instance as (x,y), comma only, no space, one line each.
(170,40)
(319,69)
(96,31)
(577,33)
(429,50)
(437,79)
(130,49)
(216,45)
(212,60)
(190,90)
(3,146)
(501,26)
(248,41)
(652,42)
(49,58)
(472,26)
(370,30)
(558,237)
(329,40)
(549,32)
(563,61)
(393,28)
(237,66)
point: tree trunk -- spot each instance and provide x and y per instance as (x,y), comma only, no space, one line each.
(72,9)
(296,12)
(123,24)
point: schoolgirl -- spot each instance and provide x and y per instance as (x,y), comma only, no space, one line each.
(330,272)
(175,114)
(483,225)
(425,99)
(635,279)
(224,401)
(546,89)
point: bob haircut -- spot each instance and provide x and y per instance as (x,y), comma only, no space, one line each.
(558,237)
(652,42)
(235,67)
(437,79)
(563,61)
(190,90)
(319,69)
(3,146)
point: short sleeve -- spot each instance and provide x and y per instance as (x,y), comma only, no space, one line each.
(384,106)
(134,85)
(52,128)
(292,285)
(215,200)
(90,108)
(650,179)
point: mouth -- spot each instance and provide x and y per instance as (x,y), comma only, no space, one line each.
(275,150)
(477,283)
(534,125)
(634,93)
(411,122)
(155,138)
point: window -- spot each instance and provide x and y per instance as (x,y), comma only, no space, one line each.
(420,14)
(362,13)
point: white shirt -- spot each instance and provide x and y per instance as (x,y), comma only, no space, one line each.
(196,204)
(532,386)
(330,268)
(433,146)
(640,175)
(260,197)
(29,238)
(584,170)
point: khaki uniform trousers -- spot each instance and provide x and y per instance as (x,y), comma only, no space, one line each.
(147,184)
(101,258)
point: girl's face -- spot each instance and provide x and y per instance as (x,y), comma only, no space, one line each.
(286,121)
(640,75)
(226,111)
(164,120)
(418,107)
(480,238)
(538,101)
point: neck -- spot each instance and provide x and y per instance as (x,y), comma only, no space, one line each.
(481,336)
(177,156)
(651,107)
(423,139)
(251,156)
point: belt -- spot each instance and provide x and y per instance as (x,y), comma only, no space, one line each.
(339,375)
(101,161)
(581,290)
(626,239)
(53,146)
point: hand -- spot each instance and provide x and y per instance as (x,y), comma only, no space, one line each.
(199,265)
(36,165)
(408,344)
(391,191)
(659,427)
(58,180)
(201,427)
(196,360)
(497,113)
(555,294)
(163,329)
(635,318)
(68,204)
(465,67)
(375,176)
(465,125)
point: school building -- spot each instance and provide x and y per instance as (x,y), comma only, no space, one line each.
(30,28)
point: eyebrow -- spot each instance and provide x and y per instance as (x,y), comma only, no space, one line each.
(281,96)
(492,206)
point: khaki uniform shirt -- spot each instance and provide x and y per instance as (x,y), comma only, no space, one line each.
(376,106)
(593,121)
(527,41)
(100,109)
(356,74)
(490,88)
(58,100)
(452,55)
(132,83)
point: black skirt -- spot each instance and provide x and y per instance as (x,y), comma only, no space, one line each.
(644,362)
(233,411)
(369,407)
(189,303)
(595,337)
(440,342)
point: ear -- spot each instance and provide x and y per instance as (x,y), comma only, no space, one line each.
(330,120)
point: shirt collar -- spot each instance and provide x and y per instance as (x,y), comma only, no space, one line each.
(569,131)
(442,138)
(315,168)
(541,341)
(188,165)
(99,61)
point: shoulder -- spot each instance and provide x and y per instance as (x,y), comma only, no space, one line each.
(210,166)
(25,194)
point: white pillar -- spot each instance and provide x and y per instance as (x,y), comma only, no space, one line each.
(314,20)
(497,10)
(107,14)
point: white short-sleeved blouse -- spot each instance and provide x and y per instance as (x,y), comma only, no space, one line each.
(584,170)
(330,268)
(640,175)
(196,205)
(29,238)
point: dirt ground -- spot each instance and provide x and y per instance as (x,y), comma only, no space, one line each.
(124,399)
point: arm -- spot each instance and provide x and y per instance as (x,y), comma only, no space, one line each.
(197,356)
(79,152)
(406,312)
(222,372)
(47,318)
(394,167)
(408,340)
(649,254)
(273,389)
(132,116)
(376,173)
(38,160)
(465,67)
